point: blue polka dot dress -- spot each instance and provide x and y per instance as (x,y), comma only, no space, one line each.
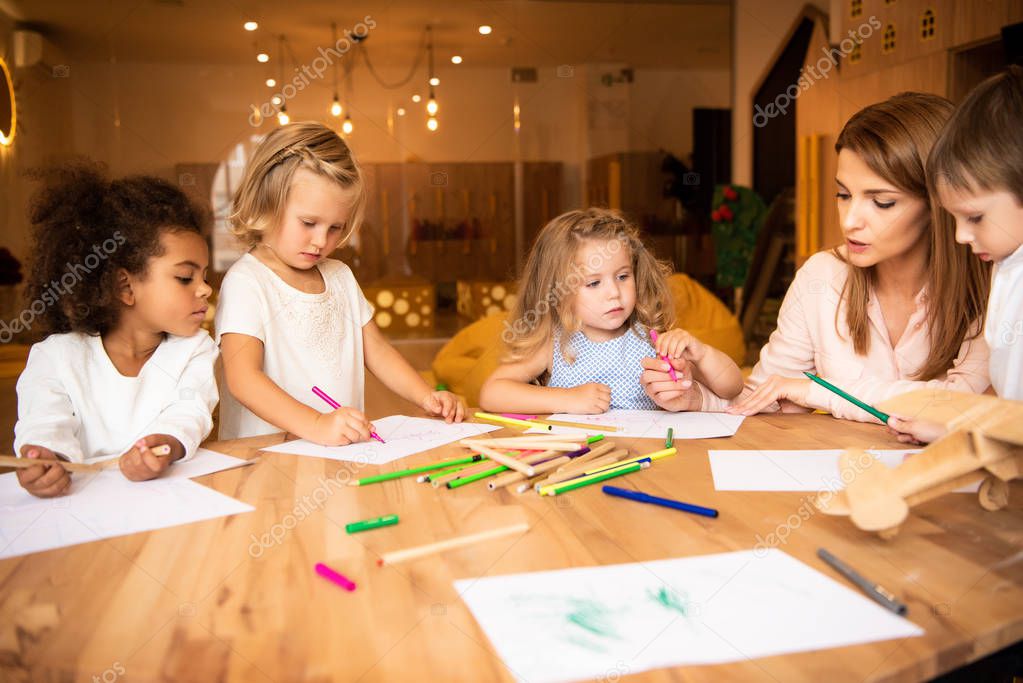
(615,362)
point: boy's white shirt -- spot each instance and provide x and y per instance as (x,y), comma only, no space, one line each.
(72,400)
(1003,327)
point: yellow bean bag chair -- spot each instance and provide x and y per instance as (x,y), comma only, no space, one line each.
(465,362)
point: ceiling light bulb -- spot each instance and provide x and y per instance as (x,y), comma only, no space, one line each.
(283,118)
(401,111)
(335,108)
(250,25)
(270,82)
(431,107)
(485,30)
(276,100)
(262,58)
(416,98)
(456,59)
(434,81)
(431,123)
(347,127)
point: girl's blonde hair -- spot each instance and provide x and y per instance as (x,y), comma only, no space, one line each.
(259,202)
(893,138)
(551,278)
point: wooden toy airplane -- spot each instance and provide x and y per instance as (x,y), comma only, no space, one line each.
(984,443)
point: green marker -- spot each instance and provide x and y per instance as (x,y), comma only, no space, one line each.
(852,399)
(594,439)
(462,481)
(387,476)
(669,441)
(441,473)
(586,481)
(367,524)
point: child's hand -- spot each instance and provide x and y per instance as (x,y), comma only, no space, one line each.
(589,399)
(445,404)
(140,463)
(678,343)
(909,430)
(664,391)
(341,427)
(44,481)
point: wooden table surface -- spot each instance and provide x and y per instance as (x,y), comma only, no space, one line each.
(236,599)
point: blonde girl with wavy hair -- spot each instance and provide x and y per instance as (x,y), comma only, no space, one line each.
(899,305)
(289,316)
(578,338)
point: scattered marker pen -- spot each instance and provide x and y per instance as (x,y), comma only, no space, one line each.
(367,524)
(332,576)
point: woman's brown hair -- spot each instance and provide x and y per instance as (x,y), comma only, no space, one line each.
(893,138)
(551,277)
(259,202)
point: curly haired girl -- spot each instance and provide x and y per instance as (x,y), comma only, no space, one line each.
(118,282)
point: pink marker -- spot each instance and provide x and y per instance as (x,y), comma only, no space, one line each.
(671,369)
(518,416)
(335,405)
(332,576)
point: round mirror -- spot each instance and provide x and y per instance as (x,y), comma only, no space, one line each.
(7,111)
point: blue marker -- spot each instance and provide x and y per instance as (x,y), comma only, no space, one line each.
(641,497)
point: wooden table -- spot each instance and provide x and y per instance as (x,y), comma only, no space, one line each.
(236,599)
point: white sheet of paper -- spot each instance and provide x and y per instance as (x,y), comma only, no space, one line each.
(202,463)
(404,436)
(653,424)
(781,470)
(598,622)
(102,505)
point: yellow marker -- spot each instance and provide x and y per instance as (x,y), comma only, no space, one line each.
(512,421)
(656,455)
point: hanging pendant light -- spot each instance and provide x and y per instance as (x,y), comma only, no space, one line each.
(432,124)
(335,107)
(282,114)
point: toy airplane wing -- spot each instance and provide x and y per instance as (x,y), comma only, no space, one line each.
(954,408)
(1007,427)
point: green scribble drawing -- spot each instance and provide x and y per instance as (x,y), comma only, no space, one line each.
(670,599)
(592,616)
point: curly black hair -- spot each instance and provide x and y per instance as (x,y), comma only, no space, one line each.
(85,227)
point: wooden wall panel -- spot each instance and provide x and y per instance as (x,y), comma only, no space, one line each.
(817,116)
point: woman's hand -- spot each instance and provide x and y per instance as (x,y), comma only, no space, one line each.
(774,388)
(664,391)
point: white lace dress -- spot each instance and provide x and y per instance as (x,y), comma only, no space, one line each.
(308,339)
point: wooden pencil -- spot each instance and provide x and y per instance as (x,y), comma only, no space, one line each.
(576,425)
(597,452)
(512,477)
(576,471)
(396,556)
(523,444)
(508,461)
(23,463)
